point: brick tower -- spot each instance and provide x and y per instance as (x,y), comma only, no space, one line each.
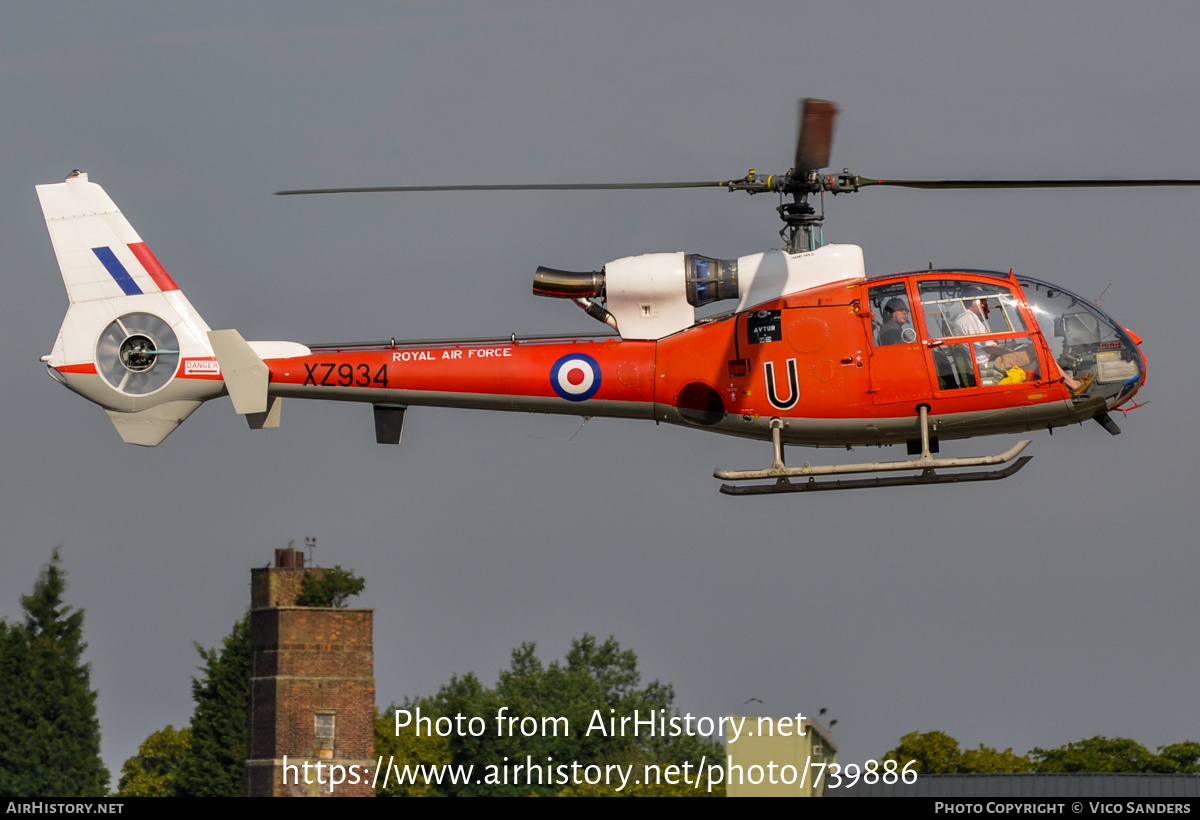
(312,690)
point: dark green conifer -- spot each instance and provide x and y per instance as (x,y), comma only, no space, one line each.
(216,763)
(49,734)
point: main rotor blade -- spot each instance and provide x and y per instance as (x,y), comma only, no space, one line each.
(585,186)
(816,136)
(931,184)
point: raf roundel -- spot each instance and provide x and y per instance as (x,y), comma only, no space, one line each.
(575,377)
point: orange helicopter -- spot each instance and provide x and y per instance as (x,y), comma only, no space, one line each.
(813,352)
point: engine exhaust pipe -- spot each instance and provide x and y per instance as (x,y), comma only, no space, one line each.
(568,284)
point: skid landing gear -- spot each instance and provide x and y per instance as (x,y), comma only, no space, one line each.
(926,464)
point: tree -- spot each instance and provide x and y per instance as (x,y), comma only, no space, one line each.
(934,753)
(938,753)
(986,760)
(216,764)
(51,737)
(1103,754)
(597,678)
(153,770)
(329,588)
(1185,755)
(406,749)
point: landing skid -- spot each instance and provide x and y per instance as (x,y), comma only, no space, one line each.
(926,464)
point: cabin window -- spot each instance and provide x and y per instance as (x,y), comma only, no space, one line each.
(1006,361)
(953,366)
(891,315)
(956,308)
(989,316)
(988,363)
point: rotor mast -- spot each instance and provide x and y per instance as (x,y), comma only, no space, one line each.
(802,225)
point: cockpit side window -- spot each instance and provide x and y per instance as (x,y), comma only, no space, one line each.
(957,308)
(973,329)
(891,317)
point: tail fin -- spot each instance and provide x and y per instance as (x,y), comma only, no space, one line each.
(131,341)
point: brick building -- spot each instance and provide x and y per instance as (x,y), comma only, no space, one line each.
(312,689)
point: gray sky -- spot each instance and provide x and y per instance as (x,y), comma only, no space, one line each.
(1051,607)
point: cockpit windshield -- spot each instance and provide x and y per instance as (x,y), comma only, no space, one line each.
(1084,340)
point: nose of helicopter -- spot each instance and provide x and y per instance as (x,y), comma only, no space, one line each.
(1087,344)
(1137,346)
(1114,366)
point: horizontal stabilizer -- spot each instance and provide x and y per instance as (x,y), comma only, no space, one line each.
(268,420)
(148,428)
(246,375)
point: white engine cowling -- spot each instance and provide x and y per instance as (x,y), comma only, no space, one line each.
(656,295)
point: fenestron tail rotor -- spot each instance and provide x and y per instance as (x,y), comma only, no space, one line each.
(814,143)
(137,353)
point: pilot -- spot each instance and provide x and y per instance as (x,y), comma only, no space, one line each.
(895,317)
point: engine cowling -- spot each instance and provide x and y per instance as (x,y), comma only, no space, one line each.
(656,294)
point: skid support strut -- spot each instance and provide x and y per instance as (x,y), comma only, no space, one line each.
(926,465)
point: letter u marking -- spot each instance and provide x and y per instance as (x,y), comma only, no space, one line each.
(793,385)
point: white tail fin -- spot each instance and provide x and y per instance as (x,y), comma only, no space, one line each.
(131,341)
(105,264)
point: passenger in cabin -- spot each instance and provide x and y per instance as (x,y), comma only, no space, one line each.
(973,320)
(895,319)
